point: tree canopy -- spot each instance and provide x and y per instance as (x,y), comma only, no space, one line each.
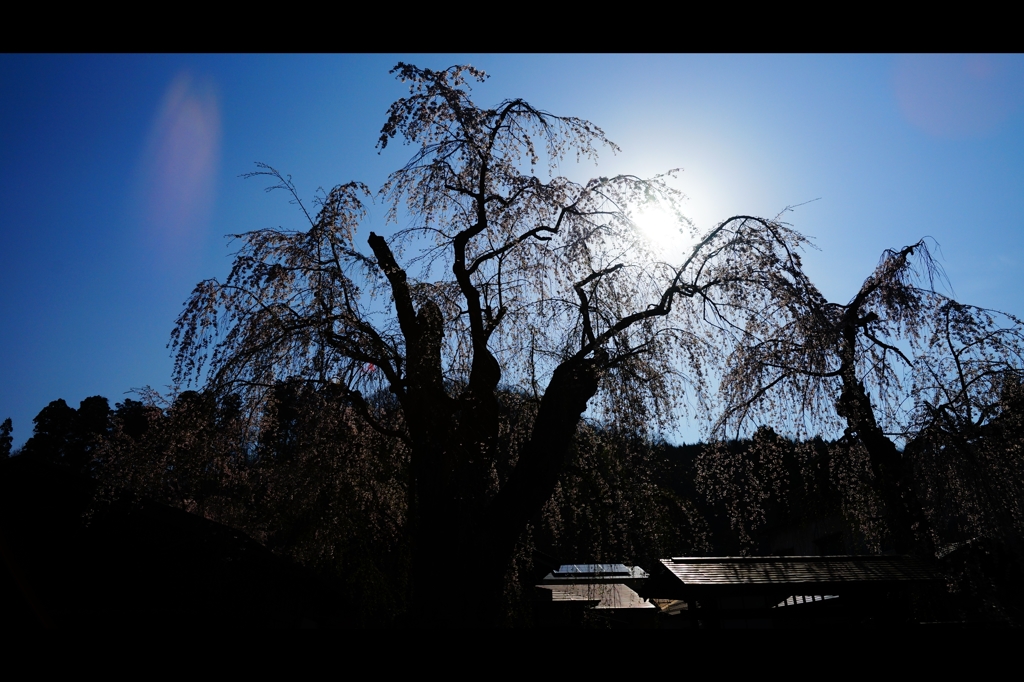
(511,300)
(525,282)
(901,363)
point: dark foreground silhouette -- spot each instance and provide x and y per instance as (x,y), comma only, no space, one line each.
(71,562)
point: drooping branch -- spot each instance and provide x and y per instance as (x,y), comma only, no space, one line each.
(535,233)
(888,347)
(588,330)
(359,402)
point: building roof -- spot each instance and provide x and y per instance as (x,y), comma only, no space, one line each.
(598,595)
(591,569)
(804,575)
(594,573)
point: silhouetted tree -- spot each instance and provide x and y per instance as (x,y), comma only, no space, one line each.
(134,417)
(611,504)
(5,438)
(900,361)
(967,445)
(186,454)
(67,436)
(313,482)
(537,283)
(816,364)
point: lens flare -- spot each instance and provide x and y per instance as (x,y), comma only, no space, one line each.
(179,166)
(958,96)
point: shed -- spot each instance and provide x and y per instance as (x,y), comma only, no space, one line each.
(609,589)
(785,590)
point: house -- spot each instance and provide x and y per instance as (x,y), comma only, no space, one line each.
(609,590)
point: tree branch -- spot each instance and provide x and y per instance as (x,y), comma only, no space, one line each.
(399,287)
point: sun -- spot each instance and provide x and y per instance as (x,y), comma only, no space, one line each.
(668,236)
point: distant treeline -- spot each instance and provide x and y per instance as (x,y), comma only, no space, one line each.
(312,482)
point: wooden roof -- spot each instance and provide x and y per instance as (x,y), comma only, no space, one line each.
(793,574)
(598,595)
(792,569)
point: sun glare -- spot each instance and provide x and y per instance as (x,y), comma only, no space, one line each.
(668,237)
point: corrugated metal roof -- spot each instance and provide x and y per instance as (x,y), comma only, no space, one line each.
(591,570)
(595,573)
(710,571)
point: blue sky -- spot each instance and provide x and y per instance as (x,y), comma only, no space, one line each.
(120,174)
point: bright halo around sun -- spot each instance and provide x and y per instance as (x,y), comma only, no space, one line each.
(668,236)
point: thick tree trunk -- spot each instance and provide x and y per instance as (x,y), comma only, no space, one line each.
(461,560)
(461,549)
(905,516)
(533,481)
(433,522)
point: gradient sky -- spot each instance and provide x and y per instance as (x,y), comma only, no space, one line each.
(120,174)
